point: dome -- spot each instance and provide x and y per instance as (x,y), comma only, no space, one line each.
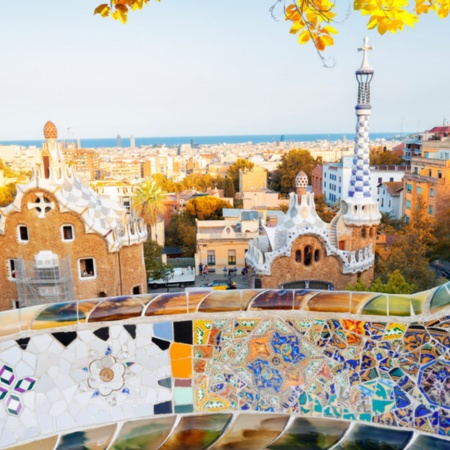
(50,130)
(301,180)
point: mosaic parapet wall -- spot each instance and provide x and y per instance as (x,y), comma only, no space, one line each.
(251,369)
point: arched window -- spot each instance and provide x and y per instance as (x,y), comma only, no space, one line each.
(258,284)
(308,255)
(316,255)
(298,256)
(371,231)
(363,232)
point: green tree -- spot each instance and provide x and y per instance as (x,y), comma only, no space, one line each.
(181,232)
(206,208)
(235,168)
(229,190)
(381,156)
(152,256)
(148,202)
(162,272)
(283,179)
(441,246)
(395,284)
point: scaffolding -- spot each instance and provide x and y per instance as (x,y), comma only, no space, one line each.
(43,283)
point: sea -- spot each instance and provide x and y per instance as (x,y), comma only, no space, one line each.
(206,140)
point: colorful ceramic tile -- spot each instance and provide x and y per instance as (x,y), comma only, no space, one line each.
(47,444)
(194,298)
(56,315)
(358,299)
(117,308)
(166,304)
(429,442)
(399,305)
(301,297)
(376,307)
(163,330)
(201,331)
(181,360)
(197,432)
(373,438)
(222,301)
(273,299)
(92,439)
(440,298)
(147,434)
(310,434)
(27,315)
(85,307)
(9,322)
(252,431)
(329,302)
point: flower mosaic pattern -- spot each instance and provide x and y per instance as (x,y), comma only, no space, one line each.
(11,390)
(106,375)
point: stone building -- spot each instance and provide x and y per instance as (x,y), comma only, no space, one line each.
(305,252)
(61,241)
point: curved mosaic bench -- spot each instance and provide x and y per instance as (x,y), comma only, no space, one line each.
(250,369)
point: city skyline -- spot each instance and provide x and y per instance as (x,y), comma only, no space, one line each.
(202,69)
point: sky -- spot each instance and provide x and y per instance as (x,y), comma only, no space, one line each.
(207,67)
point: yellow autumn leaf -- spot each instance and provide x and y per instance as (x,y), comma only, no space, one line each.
(296,27)
(330,29)
(103,10)
(304,37)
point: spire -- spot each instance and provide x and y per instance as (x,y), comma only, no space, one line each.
(359,207)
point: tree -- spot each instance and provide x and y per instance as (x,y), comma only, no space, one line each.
(411,250)
(311,19)
(206,208)
(229,190)
(381,156)
(323,211)
(7,194)
(235,168)
(162,272)
(441,247)
(283,179)
(148,202)
(181,232)
(395,284)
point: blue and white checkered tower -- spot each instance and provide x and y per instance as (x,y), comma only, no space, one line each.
(359,208)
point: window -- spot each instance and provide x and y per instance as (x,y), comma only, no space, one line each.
(363,232)
(86,268)
(409,188)
(11,269)
(380,180)
(232,257)
(419,189)
(316,255)
(430,173)
(431,192)
(23,233)
(308,256)
(406,219)
(389,204)
(391,179)
(439,173)
(382,202)
(211,260)
(68,233)
(427,154)
(298,256)
(408,204)
(430,209)
(137,290)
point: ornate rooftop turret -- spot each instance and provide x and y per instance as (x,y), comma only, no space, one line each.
(50,130)
(358,207)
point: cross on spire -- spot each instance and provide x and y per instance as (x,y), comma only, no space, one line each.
(365,48)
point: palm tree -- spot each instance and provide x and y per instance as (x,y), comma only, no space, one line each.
(148,203)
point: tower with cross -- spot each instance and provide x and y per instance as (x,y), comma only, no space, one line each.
(359,208)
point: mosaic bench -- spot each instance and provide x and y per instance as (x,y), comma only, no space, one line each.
(244,369)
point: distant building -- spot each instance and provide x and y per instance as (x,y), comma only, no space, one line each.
(391,195)
(132,142)
(317,179)
(60,241)
(429,178)
(118,141)
(86,162)
(254,179)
